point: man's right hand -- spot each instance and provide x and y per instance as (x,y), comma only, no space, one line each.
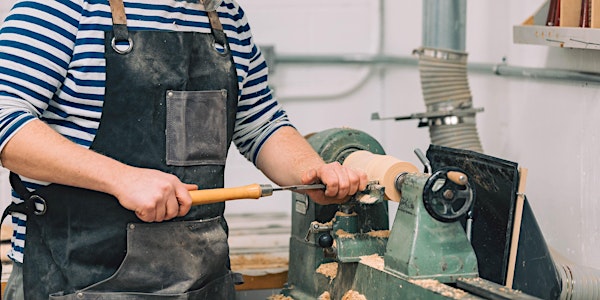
(153,195)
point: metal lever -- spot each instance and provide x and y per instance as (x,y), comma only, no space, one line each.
(423,160)
(316,227)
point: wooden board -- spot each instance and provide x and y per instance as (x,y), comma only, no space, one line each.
(570,13)
(595,10)
(512,258)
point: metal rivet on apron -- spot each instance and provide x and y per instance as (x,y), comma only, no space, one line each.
(131,226)
(170,94)
(80,295)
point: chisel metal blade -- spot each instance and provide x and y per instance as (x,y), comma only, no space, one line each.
(300,187)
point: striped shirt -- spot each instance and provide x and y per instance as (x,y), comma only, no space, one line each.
(52,67)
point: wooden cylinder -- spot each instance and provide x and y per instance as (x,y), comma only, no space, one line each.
(382,168)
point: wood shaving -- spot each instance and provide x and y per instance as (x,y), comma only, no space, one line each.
(329,270)
(353,295)
(374,261)
(343,234)
(379,233)
(324,296)
(367,199)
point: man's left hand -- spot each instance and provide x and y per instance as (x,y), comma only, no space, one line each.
(341,183)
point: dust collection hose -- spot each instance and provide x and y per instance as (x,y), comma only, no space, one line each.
(446,88)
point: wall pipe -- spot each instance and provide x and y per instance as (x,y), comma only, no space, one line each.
(500,69)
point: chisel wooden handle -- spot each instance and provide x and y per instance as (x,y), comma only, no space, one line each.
(251,191)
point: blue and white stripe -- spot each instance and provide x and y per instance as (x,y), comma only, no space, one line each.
(52,67)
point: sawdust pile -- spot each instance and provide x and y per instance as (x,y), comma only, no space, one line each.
(379,233)
(353,295)
(374,261)
(324,296)
(343,234)
(279,297)
(329,270)
(258,261)
(440,288)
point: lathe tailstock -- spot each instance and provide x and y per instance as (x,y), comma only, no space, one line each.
(348,251)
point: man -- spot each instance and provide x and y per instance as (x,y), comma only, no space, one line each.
(110,113)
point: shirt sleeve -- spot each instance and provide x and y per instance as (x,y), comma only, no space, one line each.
(259,114)
(36,45)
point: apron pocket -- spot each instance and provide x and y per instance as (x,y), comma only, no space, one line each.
(167,260)
(196,128)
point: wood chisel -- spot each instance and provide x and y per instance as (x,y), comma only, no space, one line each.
(251,191)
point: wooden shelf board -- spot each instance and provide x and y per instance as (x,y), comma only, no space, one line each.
(563,37)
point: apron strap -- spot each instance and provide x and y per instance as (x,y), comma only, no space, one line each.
(120,31)
(28,206)
(217,28)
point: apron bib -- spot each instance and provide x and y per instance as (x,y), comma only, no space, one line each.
(170,104)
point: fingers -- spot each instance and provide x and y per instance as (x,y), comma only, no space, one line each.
(155,196)
(341,182)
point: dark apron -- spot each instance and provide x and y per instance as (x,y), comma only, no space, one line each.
(170,104)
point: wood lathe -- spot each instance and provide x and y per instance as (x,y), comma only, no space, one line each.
(437,247)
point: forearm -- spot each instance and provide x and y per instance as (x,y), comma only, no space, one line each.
(38,152)
(286,156)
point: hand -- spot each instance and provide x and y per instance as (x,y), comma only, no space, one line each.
(153,195)
(341,182)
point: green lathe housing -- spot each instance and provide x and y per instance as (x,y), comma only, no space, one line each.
(336,250)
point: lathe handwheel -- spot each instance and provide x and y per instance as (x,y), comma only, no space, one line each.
(445,199)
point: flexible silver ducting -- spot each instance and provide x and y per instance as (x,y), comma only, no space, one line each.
(578,282)
(446,88)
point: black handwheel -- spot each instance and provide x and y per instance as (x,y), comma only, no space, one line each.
(446,199)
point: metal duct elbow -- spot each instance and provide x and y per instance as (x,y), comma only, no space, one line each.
(446,89)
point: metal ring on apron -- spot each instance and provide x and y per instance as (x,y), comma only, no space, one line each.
(113,43)
(41,201)
(221,49)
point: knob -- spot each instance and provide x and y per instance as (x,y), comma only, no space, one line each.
(325,240)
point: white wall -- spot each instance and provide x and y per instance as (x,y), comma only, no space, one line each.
(549,127)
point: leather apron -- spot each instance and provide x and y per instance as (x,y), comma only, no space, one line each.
(170,104)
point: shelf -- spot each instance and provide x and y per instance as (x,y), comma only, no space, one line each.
(535,32)
(564,37)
